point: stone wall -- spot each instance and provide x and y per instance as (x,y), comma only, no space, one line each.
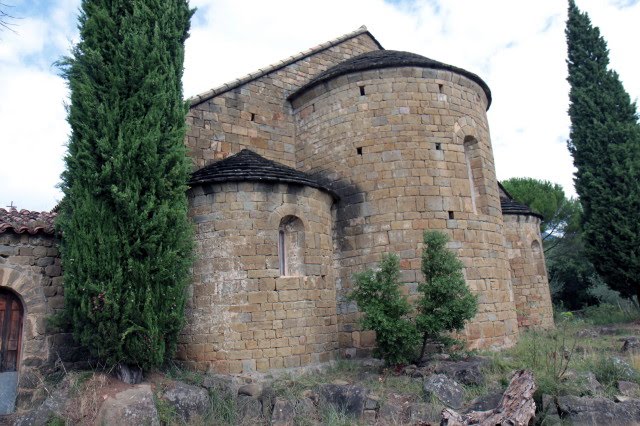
(391,143)
(528,271)
(256,115)
(242,314)
(30,267)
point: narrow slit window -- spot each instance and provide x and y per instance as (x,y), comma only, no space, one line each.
(291,247)
(313,107)
(282,258)
(438,146)
(362,92)
(451,216)
(440,87)
(359,150)
(253,117)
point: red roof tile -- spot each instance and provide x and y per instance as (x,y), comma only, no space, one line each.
(21,221)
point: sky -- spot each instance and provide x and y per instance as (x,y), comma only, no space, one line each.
(518,47)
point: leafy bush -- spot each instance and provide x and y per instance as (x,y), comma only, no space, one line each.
(386,311)
(445,301)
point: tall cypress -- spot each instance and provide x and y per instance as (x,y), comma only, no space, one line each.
(605,144)
(127,241)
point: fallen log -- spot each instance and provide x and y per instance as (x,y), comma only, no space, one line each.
(516,408)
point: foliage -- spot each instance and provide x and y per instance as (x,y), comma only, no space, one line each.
(445,302)
(385,310)
(561,216)
(127,239)
(605,145)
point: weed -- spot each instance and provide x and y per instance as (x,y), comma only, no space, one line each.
(56,421)
(176,372)
(222,409)
(166,413)
(331,416)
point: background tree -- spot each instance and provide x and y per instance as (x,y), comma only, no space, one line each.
(561,216)
(385,310)
(127,240)
(605,144)
(5,17)
(445,302)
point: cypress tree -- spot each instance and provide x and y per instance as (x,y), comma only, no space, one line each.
(127,241)
(605,144)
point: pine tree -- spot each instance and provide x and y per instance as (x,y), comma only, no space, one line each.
(127,241)
(445,302)
(605,144)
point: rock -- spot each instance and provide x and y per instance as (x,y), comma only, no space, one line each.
(252,389)
(340,382)
(624,367)
(468,372)
(133,406)
(227,386)
(187,400)
(485,402)
(349,399)
(592,384)
(549,414)
(128,374)
(248,408)
(598,411)
(52,406)
(283,413)
(631,344)
(628,388)
(448,391)
(396,409)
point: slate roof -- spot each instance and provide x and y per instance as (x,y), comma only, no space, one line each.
(249,166)
(512,207)
(202,97)
(21,221)
(387,59)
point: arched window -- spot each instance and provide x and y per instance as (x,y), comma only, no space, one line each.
(535,248)
(474,168)
(291,246)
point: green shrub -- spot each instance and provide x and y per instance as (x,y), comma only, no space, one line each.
(445,302)
(385,311)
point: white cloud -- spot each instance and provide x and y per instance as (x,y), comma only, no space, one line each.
(517,47)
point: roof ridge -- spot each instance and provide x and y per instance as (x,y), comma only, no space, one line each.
(204,96)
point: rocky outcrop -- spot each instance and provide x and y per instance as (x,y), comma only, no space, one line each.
(187,401)
(448,391)
(134,406)
(587,411)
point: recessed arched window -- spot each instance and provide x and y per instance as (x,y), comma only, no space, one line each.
(474,168)
(291,246)
(535,248)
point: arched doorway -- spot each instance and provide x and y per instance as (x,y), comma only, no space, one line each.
(11,314)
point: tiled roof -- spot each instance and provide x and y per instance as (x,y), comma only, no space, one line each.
(21,221)
(387,59)
(202,97)
(512,207)
(249,166)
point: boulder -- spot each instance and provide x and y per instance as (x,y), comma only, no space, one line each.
(485,402)
(350,399)
(252,389)
(598,411)
(133,406)
(592,384)
(52,406)
(248,409)
(630,344)
(187,400)
(226,386)
(628,388)
(448,391)
(468,372)
(396,409)
(283,413)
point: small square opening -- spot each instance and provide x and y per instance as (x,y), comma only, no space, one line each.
(440,87)
(438,146)
(451,215)
(359,150)
(362,92)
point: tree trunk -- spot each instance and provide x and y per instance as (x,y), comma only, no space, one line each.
(424,345)
(127,374)
(516,408)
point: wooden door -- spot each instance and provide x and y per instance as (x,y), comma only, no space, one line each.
(11,329)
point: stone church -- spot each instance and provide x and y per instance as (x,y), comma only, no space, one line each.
(305,172)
